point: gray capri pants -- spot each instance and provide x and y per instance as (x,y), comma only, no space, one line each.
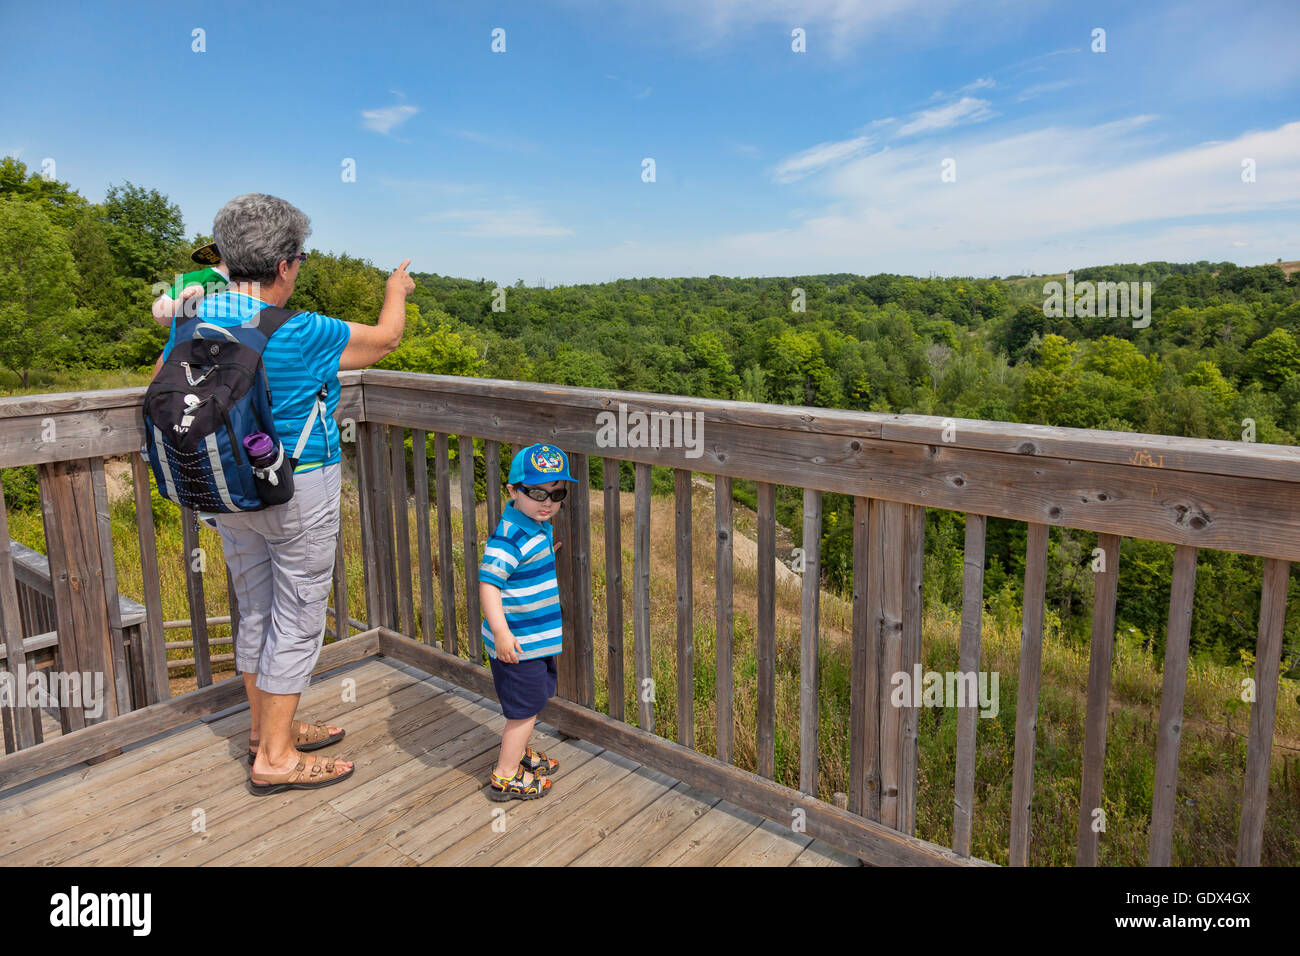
(281,561)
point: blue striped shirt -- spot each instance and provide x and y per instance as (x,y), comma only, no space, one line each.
(299,358)
(518,559)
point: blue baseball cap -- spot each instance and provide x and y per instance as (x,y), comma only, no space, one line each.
(538,464)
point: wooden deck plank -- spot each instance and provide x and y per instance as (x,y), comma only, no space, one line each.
(771,844)
(252,816)
(288,842)
(399,784)
(708,840)
(818,853)
(218,789)
(84,779)
(527,825)
(109,738)
(442,779)
(382,855)
(115,804)
(451,824)
(311,837)
(577,833)
(637,840)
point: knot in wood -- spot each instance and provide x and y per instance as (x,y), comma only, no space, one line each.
(1194,517)
(1027,448)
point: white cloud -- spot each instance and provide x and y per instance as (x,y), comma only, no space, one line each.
(968,109)
(1042,200)
(1038,89)
(1078,187)
(982,83)
(386,119)
(817,158)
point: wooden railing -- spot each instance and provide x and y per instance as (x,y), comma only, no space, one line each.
(1194,494)
(37,623)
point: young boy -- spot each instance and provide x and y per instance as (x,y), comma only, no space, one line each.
(214,277)
(521,615)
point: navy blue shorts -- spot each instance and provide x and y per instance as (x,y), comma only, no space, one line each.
(524,688)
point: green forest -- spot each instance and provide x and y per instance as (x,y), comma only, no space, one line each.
(1220,359)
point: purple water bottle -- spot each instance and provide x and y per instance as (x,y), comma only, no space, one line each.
(261,450)
(272,471)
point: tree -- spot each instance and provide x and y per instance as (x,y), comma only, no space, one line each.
(1120,359)
(438,351)
(798,373)
(1274,358)
(143,229)
(714,375)
(1045,384)
(37,279)
(1019,329)
(59,201)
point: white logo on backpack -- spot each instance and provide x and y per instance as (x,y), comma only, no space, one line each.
(191,402)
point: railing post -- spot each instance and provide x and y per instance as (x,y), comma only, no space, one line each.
(194,593)
(18,720)
(153,653)
(365,479)
(78,571)
(576,677)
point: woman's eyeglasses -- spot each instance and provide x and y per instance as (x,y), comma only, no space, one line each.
(297,257)
(541,494)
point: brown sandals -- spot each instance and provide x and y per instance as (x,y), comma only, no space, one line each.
(314,737)
(300,777)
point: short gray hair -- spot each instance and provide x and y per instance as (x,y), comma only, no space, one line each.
(253,232)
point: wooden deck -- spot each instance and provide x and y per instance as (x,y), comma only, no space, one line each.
(423,749)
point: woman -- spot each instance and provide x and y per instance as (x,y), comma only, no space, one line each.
(281,559)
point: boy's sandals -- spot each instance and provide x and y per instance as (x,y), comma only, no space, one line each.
(308,737)
(505,788)
(538,763)
(301,777)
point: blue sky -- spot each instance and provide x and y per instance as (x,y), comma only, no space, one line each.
(529,163)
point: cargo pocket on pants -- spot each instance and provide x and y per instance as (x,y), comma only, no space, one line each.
(313,587)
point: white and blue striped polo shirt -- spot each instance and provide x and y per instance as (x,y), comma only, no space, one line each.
(519,560)
(299,358)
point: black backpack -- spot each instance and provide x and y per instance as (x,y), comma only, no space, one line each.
(210,393)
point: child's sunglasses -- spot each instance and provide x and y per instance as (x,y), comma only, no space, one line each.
(541,494)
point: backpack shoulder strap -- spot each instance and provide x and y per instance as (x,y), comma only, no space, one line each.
(272,318)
